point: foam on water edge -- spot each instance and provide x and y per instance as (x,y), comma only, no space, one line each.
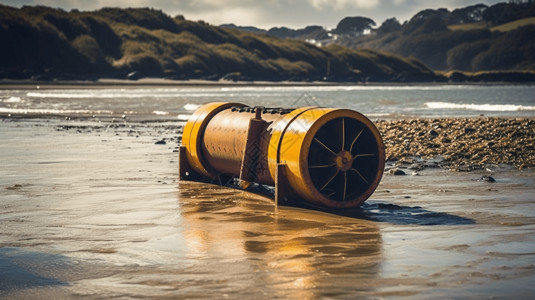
(481,107)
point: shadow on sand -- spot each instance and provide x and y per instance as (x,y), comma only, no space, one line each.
(403,215)
(394,214)
(371,210)
(22,269)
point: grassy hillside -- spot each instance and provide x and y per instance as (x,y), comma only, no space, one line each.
(514,25)
(467,49)
(502,28)
(475,38)
(45,43)
(469,26)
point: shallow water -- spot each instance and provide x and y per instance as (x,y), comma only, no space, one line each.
(93,208)
(373,101)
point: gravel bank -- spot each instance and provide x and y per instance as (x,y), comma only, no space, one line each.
(460,144)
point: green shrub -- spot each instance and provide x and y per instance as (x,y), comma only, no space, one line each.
(88,47)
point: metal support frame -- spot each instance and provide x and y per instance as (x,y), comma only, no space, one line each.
(251,150)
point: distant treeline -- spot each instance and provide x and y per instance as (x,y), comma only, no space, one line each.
(44,43)
(474,38)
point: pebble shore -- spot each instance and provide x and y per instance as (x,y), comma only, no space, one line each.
(460,144)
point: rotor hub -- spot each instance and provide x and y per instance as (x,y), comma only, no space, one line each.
(344,160)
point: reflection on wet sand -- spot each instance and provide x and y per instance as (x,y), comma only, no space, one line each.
(285,251)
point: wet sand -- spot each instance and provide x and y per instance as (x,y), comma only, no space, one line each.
(92,208)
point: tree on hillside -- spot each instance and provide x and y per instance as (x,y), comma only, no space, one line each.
(429,24)
(441,13)
(506,12)
(469,14)
(389,25)
(354,25)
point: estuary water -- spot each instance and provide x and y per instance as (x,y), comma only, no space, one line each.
(373,101)
(91,206)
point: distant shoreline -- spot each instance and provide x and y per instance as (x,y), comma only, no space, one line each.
(152,82)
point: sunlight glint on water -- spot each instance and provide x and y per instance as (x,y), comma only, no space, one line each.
(374,101)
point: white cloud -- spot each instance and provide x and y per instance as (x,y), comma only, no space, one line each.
(236,15)
(368,4)
(338,5)
(227,4)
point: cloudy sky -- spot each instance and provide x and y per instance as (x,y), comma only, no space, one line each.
(269,13)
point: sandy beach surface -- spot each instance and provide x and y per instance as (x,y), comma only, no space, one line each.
(91,207)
